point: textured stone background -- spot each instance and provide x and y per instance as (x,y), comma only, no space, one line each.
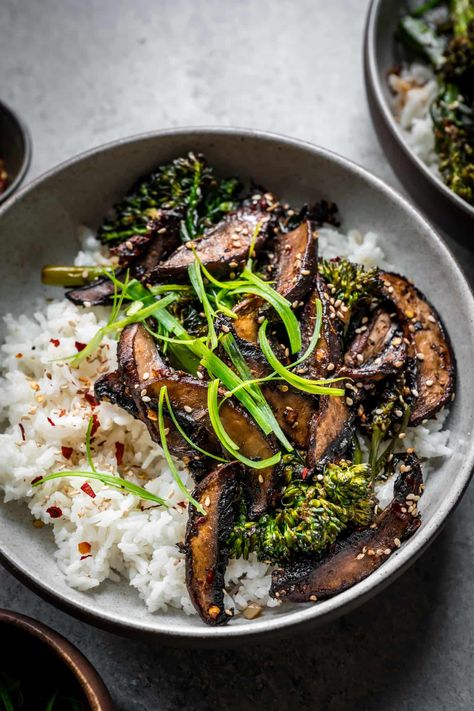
(82,73)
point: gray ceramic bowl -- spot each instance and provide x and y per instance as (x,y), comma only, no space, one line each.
(51,654)
(43,220)
(15,149)
(452,214)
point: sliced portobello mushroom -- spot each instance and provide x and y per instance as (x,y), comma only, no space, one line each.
(140,254)
(362,552)
(376,352)
(206,541)
(225,248)
(332,429)
(113,388)
(428,345)
(332,425)
(297,254)
(190,395)
(139,361)
(327,356)
(292,409)
(246,324)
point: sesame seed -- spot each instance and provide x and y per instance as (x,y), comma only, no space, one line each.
(360,358)
(188,409)
(397,341)
(420,356)
(402,435)
(145,398)
(305,272)
(260,478)
(398,413)
(387,551)
(429,382)
(145,376)
(431,318)
(360,556)
(207,501)
(349,401)
(225,328)
(397,542)
(330,366)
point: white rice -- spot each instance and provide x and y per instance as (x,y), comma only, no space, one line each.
(414,89)
(47,398)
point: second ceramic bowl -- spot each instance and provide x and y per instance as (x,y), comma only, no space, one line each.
(453,215)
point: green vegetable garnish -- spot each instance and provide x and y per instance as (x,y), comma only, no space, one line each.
(310,515)
(226,441)
(168,457)
(316,387)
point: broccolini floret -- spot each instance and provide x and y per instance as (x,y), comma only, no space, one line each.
(311,515)
(187,185)
(349,282)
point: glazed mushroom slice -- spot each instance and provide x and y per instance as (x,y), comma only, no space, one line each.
(332,425)
(112,387)
(246,324)
(332,429)
(376,352)
(189,394)
(206,541)
(139,361)
(292,409)
(140,254)
(297,254)
(225,248)
(356,557)
(327,356)
(428,344)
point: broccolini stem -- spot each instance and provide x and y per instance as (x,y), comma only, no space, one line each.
(69,275)
(421,38)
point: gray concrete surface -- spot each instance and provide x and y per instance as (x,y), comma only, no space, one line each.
(84,72)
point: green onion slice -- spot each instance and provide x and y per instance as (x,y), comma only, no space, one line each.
(168,457)
(227,442)
(316,387)
(115,481)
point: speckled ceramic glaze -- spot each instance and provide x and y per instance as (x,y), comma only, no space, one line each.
(15,149)
(38,226)
(452,214)
(88,679)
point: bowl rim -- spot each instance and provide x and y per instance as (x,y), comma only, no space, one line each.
(27,151)
(67,653)
(372,75)
(296,619)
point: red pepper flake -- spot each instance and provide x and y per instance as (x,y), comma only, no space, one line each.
(182,504)
(53,424)
(22,430)
(37,478)
(54,512)
(210,575)
(95,425)
(84,547)
(62,413)
(67,452)
(87,489)
(119,450)
(55,342)
(91,400)
(80,346)
(304,473)
(83,557)
(19,355)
